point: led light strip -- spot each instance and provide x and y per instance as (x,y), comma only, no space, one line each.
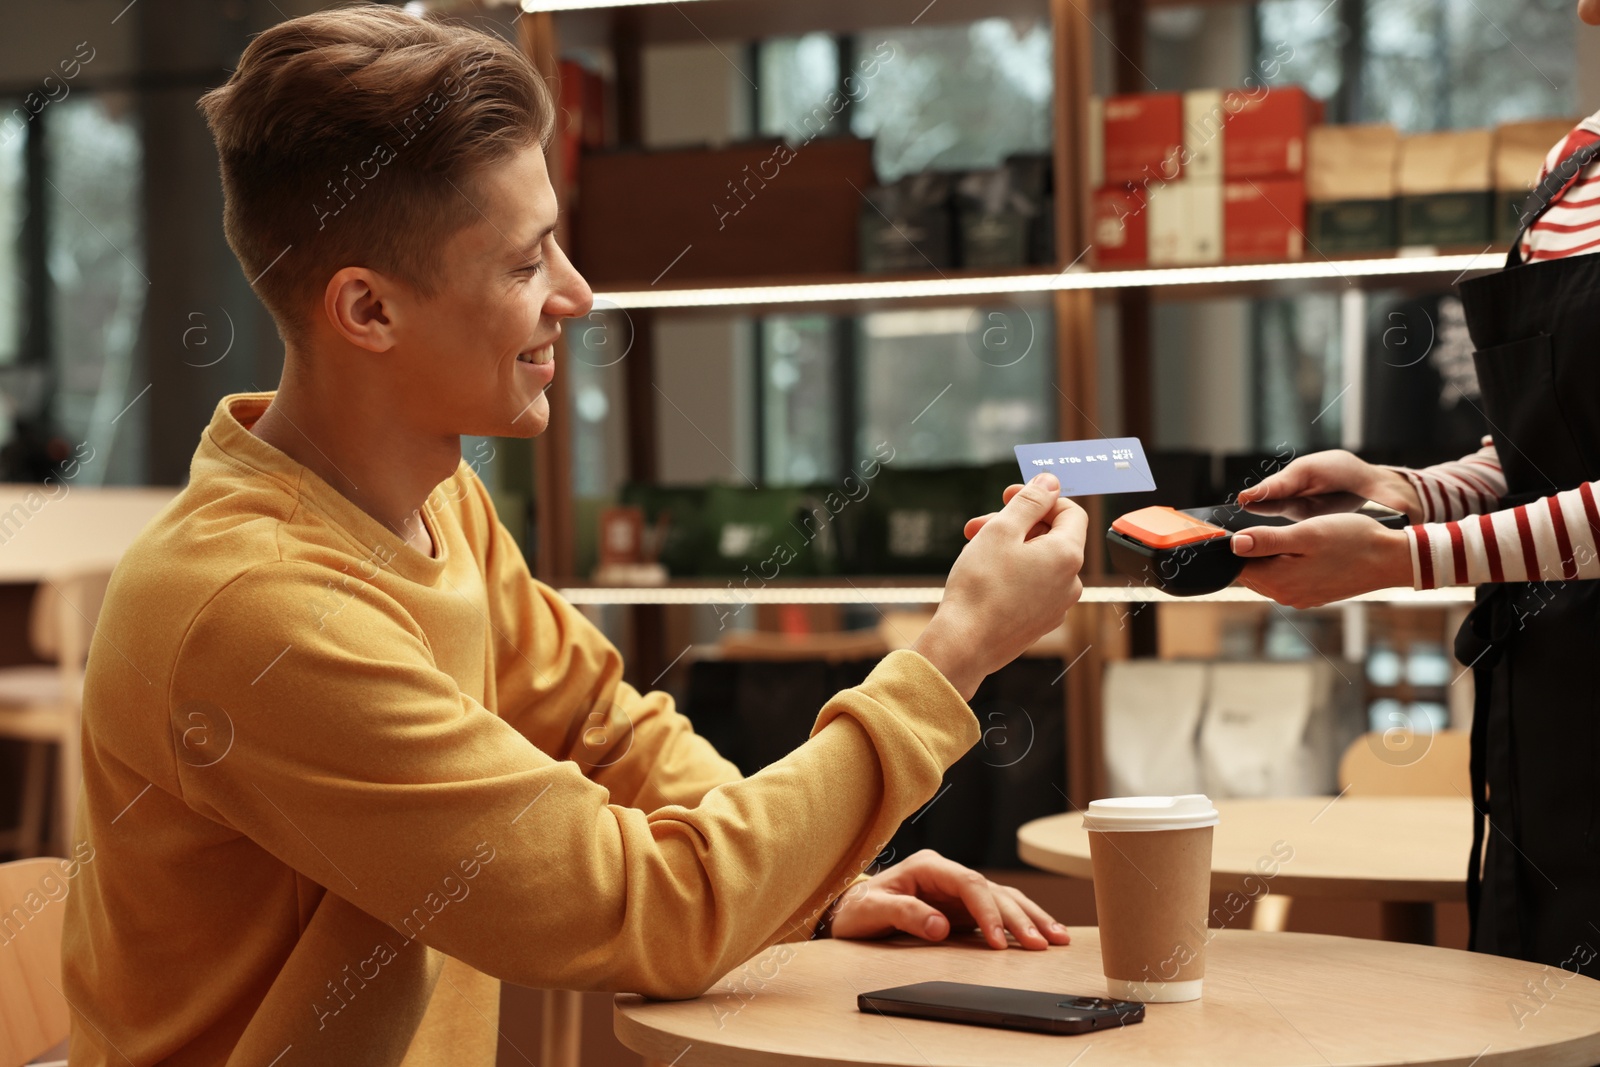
(1074,278)
(933,594)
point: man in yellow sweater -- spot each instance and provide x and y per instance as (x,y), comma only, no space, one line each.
(347,765)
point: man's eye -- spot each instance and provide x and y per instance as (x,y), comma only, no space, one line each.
(532,268)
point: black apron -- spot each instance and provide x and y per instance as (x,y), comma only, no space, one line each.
(1534,647)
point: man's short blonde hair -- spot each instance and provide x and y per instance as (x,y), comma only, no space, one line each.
(353,137)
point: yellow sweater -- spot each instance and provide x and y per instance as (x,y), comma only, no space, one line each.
(336,790)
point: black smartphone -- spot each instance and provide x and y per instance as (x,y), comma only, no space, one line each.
(1011,1009)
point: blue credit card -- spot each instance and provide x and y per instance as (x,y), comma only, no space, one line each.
(1090,468)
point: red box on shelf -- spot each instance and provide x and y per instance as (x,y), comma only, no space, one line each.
(1142,137)
(581,119)
(1265,134)
(1120,226)
(1263,218)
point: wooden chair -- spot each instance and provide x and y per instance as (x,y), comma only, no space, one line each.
(44,704)
(33,1009)
(1393,763)
(1398,763)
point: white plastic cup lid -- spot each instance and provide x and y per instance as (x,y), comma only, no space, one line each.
(1150,813)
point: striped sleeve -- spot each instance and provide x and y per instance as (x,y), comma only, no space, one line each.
(1553,539)
(1572,225)
(1454,490)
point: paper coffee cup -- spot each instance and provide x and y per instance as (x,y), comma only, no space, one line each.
(1152,882)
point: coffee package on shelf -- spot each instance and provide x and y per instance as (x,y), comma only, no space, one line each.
(1446,191)
(906,226)
(1350,188)
(993,218)
(1033,179)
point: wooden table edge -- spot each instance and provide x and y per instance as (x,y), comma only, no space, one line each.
(660,1049)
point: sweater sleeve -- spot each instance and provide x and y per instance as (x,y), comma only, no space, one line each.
(361,765)
(1468,486)
(1552,539)
(559,682)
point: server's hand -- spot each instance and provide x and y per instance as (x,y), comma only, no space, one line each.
(929,896)
(1337,471)
(1321,560)
(1011,585)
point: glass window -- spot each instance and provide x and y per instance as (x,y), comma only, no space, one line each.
(955,385)
(1299,371)
(1442,64)
(1383,665)
(1428,64)
(1429,666)
(598,344)
(1417,716)
(13,209)
(796,74)
(801,397)
(952,97)
(1304,38)
(96,265)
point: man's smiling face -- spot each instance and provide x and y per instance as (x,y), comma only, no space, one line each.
(479,354)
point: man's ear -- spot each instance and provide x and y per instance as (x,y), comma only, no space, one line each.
(361,306)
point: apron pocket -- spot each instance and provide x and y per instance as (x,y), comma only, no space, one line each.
(1518,386)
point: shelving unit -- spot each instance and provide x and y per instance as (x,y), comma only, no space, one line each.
(1096,630)
(869,292)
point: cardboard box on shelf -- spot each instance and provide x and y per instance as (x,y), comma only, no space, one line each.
(1520,150)
(1263,218)
(1350,187)
(1140,137)
(1205,117)
(1185,222)
(1445,185)
(1120,224)
(1266,129)
(1204,133)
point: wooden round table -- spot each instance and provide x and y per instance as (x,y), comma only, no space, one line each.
(1408,853)
(1270,1000)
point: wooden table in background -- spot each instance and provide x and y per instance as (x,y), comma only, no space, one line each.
(1270,1000)
(1408,853)
(76,528)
